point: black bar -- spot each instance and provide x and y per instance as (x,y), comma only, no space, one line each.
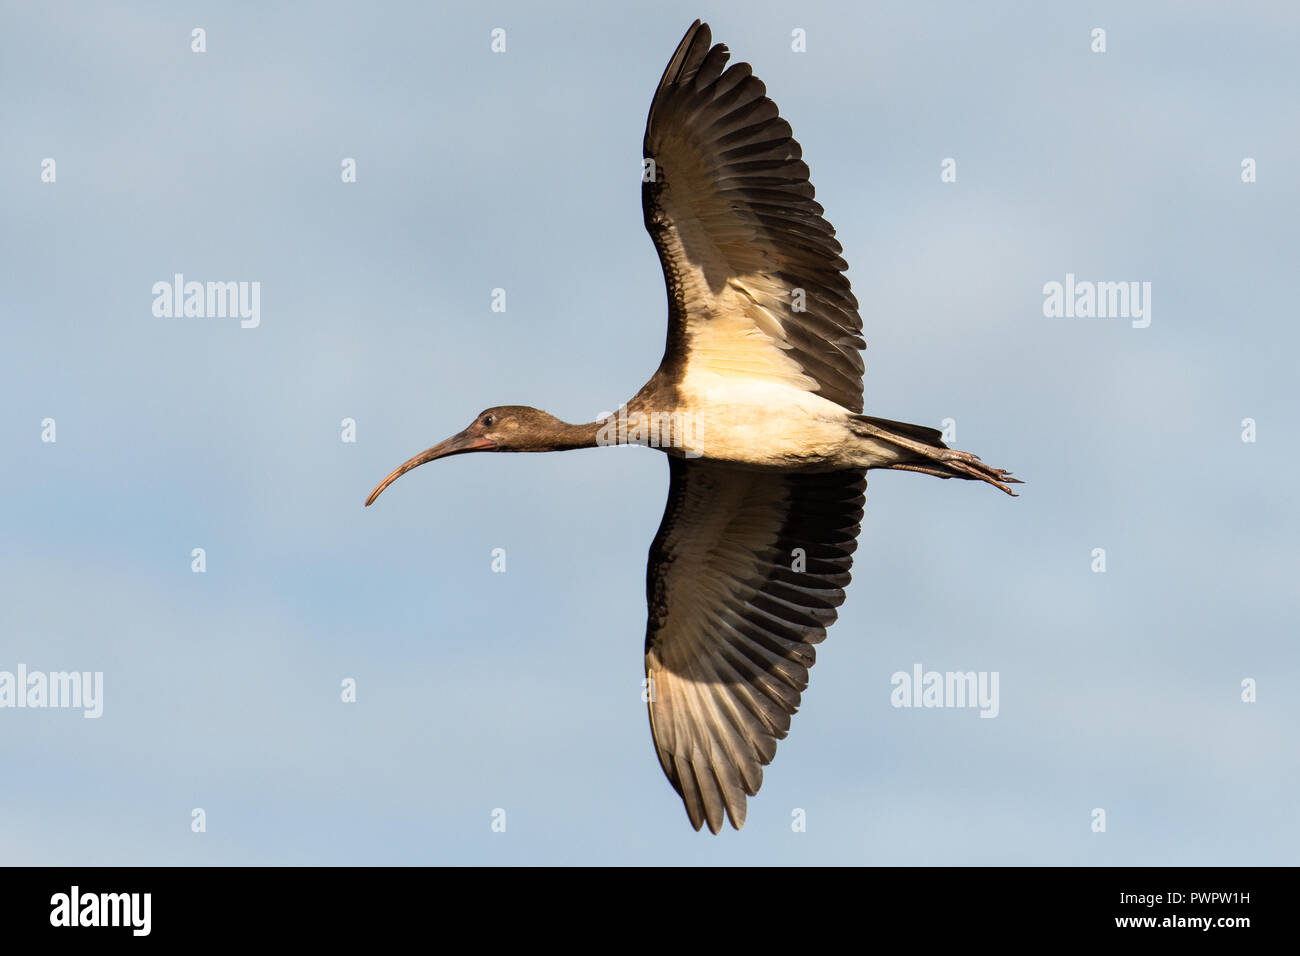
(331,904)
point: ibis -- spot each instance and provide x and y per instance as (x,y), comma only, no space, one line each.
(757,404)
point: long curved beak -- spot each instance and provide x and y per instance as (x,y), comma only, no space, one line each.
(455,445)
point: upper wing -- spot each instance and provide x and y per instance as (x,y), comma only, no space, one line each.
(742,242)
(734,614)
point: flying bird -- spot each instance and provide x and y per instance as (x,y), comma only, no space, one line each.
(757,404)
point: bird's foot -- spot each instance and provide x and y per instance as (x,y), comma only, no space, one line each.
(922,449)
(950,463)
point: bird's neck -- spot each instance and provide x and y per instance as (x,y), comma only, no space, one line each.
(565,437)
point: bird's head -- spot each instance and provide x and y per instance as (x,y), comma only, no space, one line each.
(504,428)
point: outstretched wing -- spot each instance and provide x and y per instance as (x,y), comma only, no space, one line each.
(756,284)
(744,577)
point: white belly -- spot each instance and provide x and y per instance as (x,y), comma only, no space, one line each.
(764,424)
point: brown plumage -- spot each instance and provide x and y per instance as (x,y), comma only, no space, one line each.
(757,402)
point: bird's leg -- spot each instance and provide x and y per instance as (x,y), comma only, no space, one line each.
(939,460)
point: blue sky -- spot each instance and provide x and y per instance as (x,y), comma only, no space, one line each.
(521,690)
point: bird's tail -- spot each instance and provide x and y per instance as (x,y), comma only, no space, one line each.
(922,433)
(920,448)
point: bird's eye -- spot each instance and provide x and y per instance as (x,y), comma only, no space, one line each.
(489,420)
